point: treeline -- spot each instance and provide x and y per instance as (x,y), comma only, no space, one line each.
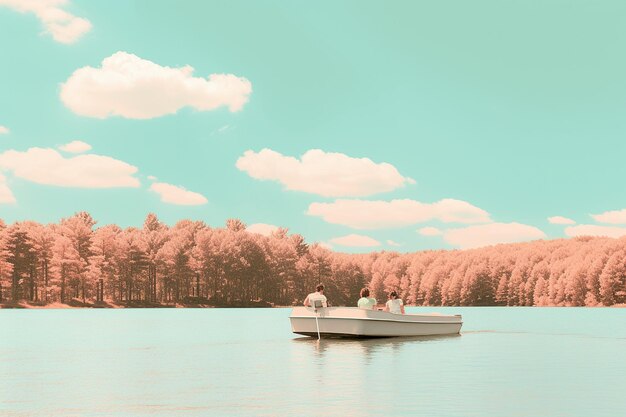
(75,263)
(582,271)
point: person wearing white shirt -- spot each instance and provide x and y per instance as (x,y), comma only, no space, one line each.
(318,295)
(366,302)
(395,304)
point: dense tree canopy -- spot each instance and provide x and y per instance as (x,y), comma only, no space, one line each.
(191,263)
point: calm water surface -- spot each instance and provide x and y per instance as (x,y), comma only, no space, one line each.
(246,362)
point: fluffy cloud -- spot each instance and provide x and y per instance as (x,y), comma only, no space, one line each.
(324,173)
(75,146)
(491,234)
(128,86)
(6,196)
(4,130)
(429,231)
(325,245)
(262,229)
(47,166)
(177,195)
(353,240)
(63,26)
(595,230)
(365,214)
(560,220)
(611,217)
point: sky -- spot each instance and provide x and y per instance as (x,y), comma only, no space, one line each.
(363,125)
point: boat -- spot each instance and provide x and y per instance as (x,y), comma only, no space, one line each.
(358,322)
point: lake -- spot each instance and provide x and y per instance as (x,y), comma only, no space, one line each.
(246,362)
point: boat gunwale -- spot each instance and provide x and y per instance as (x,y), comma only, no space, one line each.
(375,319)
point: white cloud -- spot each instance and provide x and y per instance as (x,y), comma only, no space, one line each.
(4,130)
(491,234)
(595,230)
(355,241)
(75,146)
(62,25)
(365,214)
(324,173)
(49,167)
(325,245)
(392,243)
(611,217)
(135,88)
(429,231)
(6,196)
(177,195)
(152,177)
(560,220)
(262,229)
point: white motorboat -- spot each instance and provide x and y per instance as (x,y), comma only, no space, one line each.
(358,322)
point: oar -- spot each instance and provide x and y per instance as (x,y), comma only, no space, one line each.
(317,304)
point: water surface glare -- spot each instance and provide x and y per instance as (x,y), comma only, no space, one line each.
(536,362)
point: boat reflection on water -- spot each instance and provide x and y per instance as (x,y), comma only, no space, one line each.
(367,346)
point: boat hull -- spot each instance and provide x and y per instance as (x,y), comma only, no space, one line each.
(355,322)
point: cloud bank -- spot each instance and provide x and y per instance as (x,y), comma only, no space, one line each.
(49,167)
(366,214)
(62,25)
(262,229)
(611,217)
(75,146)
(429,231)
(560,220)
(128,86)
(353,240)
(595,230)
(327,174)
(173,194)
(491,234)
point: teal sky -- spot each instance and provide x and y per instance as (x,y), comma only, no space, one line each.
(516,107)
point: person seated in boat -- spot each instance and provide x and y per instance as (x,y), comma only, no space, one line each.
(317,295)
(394,304)
(366,302)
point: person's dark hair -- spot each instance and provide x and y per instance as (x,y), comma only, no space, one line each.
(319,287)
(365,292)
(393,294)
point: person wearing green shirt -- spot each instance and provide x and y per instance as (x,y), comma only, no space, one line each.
(366,302)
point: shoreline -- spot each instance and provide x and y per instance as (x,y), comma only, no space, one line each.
(147,305)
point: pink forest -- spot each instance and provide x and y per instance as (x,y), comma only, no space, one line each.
(76,264)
